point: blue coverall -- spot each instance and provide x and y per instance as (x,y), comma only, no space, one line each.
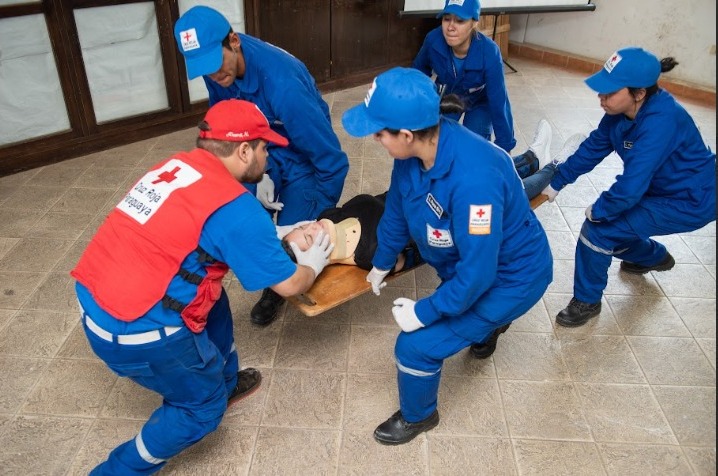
(469,216)
(309,174)
(668,186)
(480,84)
(194,373)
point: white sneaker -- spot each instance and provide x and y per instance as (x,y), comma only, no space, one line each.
(569,147)
(541,144)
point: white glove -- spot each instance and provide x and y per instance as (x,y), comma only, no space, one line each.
(376,278)
(405,316)
(265,194)
(550,193)
(317,256)
(283,230)
(589,214)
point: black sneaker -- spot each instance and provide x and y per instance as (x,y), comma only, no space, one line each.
(397,431)
(248,381)
(577,313)
(267,308)
(632,268)
(485,349)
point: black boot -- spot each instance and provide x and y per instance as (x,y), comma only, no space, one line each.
(486,349)
(248,381)
(664,265)
(397,431)
(267,308)
(577,313)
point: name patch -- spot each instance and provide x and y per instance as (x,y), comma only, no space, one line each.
(435,206)
(151,191)
(480,220)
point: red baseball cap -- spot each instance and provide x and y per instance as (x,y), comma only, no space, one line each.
(236,120)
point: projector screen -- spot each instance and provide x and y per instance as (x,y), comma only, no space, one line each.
(504,6)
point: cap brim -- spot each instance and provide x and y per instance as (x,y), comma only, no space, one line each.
(357,123)
(600,83)
(208,63)
(274,138)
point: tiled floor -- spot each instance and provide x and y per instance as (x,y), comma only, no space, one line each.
(632,392)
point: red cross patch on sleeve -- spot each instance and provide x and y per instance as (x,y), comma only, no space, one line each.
(480,220)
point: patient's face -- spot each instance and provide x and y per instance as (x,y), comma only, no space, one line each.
(305,235)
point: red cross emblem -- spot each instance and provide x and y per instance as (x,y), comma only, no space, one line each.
(481,212)
(187,36)
(437,233)
(167,176)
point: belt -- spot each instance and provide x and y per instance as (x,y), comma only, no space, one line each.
(130,339)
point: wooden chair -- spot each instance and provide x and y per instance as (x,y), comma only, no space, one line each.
(340,283)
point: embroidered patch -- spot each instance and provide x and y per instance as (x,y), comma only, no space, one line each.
(480,220)
(627,144)
(438,238)
(151,191)
(456,2)
(435,206)
(189,40)
(612,62)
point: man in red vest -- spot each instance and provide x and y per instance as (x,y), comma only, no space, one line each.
(150,289)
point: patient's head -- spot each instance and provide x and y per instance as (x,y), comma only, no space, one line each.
(305,235)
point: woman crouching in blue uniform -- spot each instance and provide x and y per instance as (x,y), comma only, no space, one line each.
(667,185)
(469,64)
(460,199)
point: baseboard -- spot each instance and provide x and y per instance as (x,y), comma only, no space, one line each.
(683,90)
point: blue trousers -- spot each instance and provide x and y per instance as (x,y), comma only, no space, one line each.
(628,238)
(194,373)
(420,354)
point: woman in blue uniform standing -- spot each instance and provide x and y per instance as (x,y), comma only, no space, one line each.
(469,64)
(460,199)
(667,186)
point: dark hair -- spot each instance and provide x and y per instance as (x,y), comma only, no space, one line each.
(225,42)
(450,104)
(288,249)
(667,64)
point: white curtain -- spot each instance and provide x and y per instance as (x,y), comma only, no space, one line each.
(121,50)
(31,101)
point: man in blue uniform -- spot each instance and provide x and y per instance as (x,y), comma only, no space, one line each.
(459,198)
(667,186)
(150,289)
(302,179)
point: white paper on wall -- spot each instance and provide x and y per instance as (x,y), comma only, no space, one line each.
(121,51)
(31,100)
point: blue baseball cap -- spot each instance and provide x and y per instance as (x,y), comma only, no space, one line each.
(400,98)
(626,68)
(199,34)
(464,9)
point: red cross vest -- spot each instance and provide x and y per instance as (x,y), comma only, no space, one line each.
(140,246)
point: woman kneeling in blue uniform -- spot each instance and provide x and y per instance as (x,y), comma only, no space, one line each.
(469,64)
(459,198)
(667,185)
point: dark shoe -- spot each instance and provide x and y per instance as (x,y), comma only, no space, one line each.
(396,430)
(267,308)
(577,313)
(485,349)
(248,381)
(666,263)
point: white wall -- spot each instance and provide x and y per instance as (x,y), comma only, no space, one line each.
(684,29)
